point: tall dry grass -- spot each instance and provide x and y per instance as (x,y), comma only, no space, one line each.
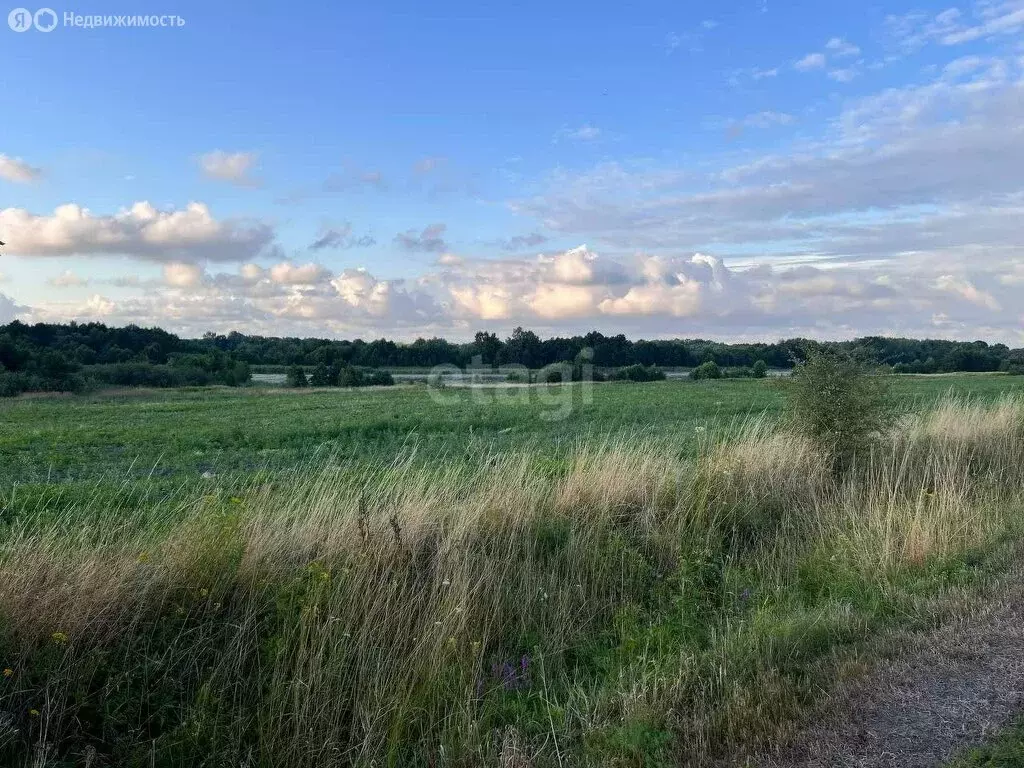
(498,614)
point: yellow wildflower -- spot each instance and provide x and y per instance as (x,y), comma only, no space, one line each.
(144,557)
(8,672)
(59,638)
(34,712)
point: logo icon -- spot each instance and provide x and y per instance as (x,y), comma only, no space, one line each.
(45,19)
(20,19)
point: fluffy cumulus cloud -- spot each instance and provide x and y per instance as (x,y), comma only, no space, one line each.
(287,273)
(178,275)
(142,231)
(16,170)
(232,167)
(571,291)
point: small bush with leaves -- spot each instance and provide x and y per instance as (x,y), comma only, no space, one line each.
(297,377)
(1014,363)
(708,370)
(321,376)
(837,402)
(639,373)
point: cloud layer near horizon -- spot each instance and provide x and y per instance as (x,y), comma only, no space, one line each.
(653,296)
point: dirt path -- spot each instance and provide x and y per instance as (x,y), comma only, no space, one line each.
(944,691)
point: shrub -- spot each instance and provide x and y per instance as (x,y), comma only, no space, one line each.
(760,369)
(639,373)
(377,379)
(321,376)
(837,402)
(1014,362)
(708,370)
(296,377)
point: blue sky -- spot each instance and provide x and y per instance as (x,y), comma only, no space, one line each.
(738,170)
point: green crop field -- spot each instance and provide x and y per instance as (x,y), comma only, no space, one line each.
(133,446)
(64,439)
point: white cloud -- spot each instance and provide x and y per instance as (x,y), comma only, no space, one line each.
(67,279)
(843,75)
(585,132)
(809,62)
(572,266)
(485,302)
(16,170)
(142,231)
(287,273)
(178,275)
(839,47)
(251,272)
(1003,19)
(449,260)
(916,29)
(577,290)
(98,306)
(967,290)
(682,299)
(359,289)
(964,66)
(232,167)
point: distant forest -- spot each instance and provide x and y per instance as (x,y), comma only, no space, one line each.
(76,357)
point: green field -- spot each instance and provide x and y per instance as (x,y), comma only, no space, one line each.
(403,576)
(170,437)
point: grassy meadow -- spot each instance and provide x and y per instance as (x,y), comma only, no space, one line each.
(402,577)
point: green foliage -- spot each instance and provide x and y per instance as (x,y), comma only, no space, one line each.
(760,369)
(1014,363)
(707,370)
(296,377)
(61,358)
(638,373)
(837,402)
(1006,750)
(321,376)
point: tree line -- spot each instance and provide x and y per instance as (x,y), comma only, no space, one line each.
(78,356)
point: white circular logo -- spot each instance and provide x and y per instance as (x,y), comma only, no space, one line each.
(45,19)
(20,19)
